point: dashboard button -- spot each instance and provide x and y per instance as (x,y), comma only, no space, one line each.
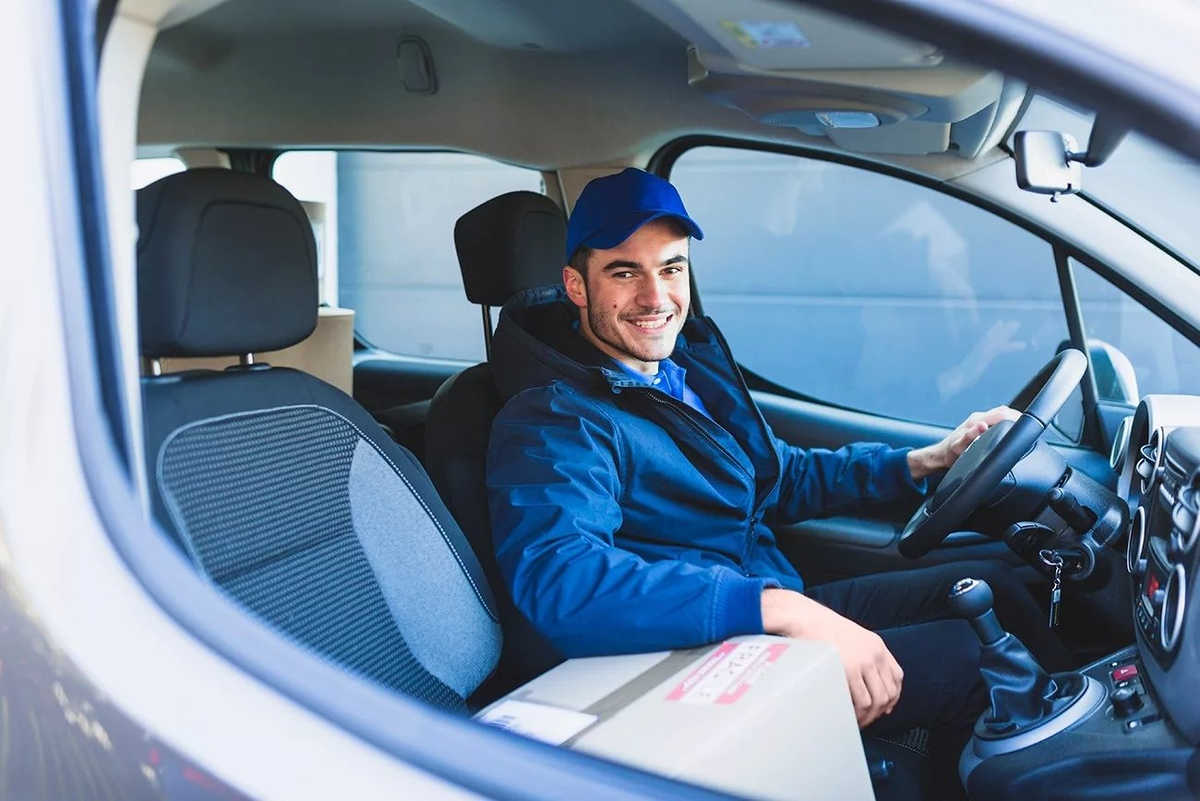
(1124,672)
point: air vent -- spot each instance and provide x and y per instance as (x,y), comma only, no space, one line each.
(1174,605)
(1185,517)
(1149,464)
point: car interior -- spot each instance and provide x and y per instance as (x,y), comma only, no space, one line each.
(350,193)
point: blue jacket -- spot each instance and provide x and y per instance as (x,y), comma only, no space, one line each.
(626,521)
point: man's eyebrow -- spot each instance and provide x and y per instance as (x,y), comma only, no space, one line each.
(622,265)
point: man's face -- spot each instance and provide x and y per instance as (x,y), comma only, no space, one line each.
(635,297)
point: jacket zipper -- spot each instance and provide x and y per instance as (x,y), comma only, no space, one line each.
(761,422)
(686,413)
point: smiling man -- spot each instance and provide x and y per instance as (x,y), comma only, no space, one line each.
(634,484)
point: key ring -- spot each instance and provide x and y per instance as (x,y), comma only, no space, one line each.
(1050,557)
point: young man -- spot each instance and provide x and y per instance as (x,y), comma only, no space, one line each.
(634,484)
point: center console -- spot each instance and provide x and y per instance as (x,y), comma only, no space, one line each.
(1137,731)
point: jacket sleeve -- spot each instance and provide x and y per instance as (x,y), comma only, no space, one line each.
(554,488)
(818,483)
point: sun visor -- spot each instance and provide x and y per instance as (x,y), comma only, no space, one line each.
(865,89)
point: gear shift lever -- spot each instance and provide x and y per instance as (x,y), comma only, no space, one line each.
(971,599)
(1022,694)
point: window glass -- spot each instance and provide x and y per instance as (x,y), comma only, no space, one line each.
(388,230)
(1133,351)
(312,177)
(147,171)
(867,291)
(1153,187)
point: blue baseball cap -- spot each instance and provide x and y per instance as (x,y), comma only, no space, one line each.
(611,208)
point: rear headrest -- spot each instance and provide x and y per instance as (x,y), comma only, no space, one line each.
(226,265)
(512,242)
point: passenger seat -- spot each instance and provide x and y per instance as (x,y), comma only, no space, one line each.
(281,489)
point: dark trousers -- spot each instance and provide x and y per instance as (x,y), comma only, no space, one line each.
(942,689)
(939,655)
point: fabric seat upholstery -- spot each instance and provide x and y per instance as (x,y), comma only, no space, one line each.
(510,243)
(280,488)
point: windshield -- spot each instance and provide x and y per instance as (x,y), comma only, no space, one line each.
(1154,188)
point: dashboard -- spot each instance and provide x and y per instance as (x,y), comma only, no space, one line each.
(1161,479)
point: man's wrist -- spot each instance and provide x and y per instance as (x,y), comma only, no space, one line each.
(783,612)
(922,464)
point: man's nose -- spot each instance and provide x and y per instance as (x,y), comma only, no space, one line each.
(653,293)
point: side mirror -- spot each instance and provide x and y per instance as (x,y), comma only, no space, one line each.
(1044,163)
(1116,380)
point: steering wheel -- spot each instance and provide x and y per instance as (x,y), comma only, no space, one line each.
(985,463)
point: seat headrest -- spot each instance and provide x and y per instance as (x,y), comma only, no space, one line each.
(510,243)
(227,265)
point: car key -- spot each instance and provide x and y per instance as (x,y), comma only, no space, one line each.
(1053,559)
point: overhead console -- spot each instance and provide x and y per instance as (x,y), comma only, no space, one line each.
(864,89)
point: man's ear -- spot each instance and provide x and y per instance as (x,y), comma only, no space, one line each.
(576,286)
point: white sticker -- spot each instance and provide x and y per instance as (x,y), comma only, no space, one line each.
(550,724)
(767,33)
(727,673)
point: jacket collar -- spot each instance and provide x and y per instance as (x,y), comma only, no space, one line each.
(536,343)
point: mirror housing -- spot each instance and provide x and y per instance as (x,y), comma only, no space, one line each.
(1044,163)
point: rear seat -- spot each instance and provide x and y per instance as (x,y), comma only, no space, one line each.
(282,490)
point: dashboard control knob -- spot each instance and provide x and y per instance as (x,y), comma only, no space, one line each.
(1125,701)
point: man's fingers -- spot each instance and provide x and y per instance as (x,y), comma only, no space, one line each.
(893,680)
(879,693)
(968,436)
(993,416)
(860,696)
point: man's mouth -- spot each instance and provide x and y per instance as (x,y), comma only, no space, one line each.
(652,323)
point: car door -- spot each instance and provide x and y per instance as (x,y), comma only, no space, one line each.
(864,305)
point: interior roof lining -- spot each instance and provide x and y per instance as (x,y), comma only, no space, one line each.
(228,78)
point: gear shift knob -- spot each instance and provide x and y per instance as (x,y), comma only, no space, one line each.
(971,599)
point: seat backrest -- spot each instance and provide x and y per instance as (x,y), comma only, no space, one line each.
(279,487)
(510,243)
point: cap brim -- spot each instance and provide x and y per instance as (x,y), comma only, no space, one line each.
(622,228)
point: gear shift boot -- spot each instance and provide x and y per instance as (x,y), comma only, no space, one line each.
(1027,705)
(1022,694)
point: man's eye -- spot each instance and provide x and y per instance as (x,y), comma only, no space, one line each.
(623,274)
(673,270)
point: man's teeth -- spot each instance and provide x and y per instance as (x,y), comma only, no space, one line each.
(650,323)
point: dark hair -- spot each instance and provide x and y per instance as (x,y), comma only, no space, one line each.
(580,258)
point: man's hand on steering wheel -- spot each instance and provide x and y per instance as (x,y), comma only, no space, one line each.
(931,459)
(974,477)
